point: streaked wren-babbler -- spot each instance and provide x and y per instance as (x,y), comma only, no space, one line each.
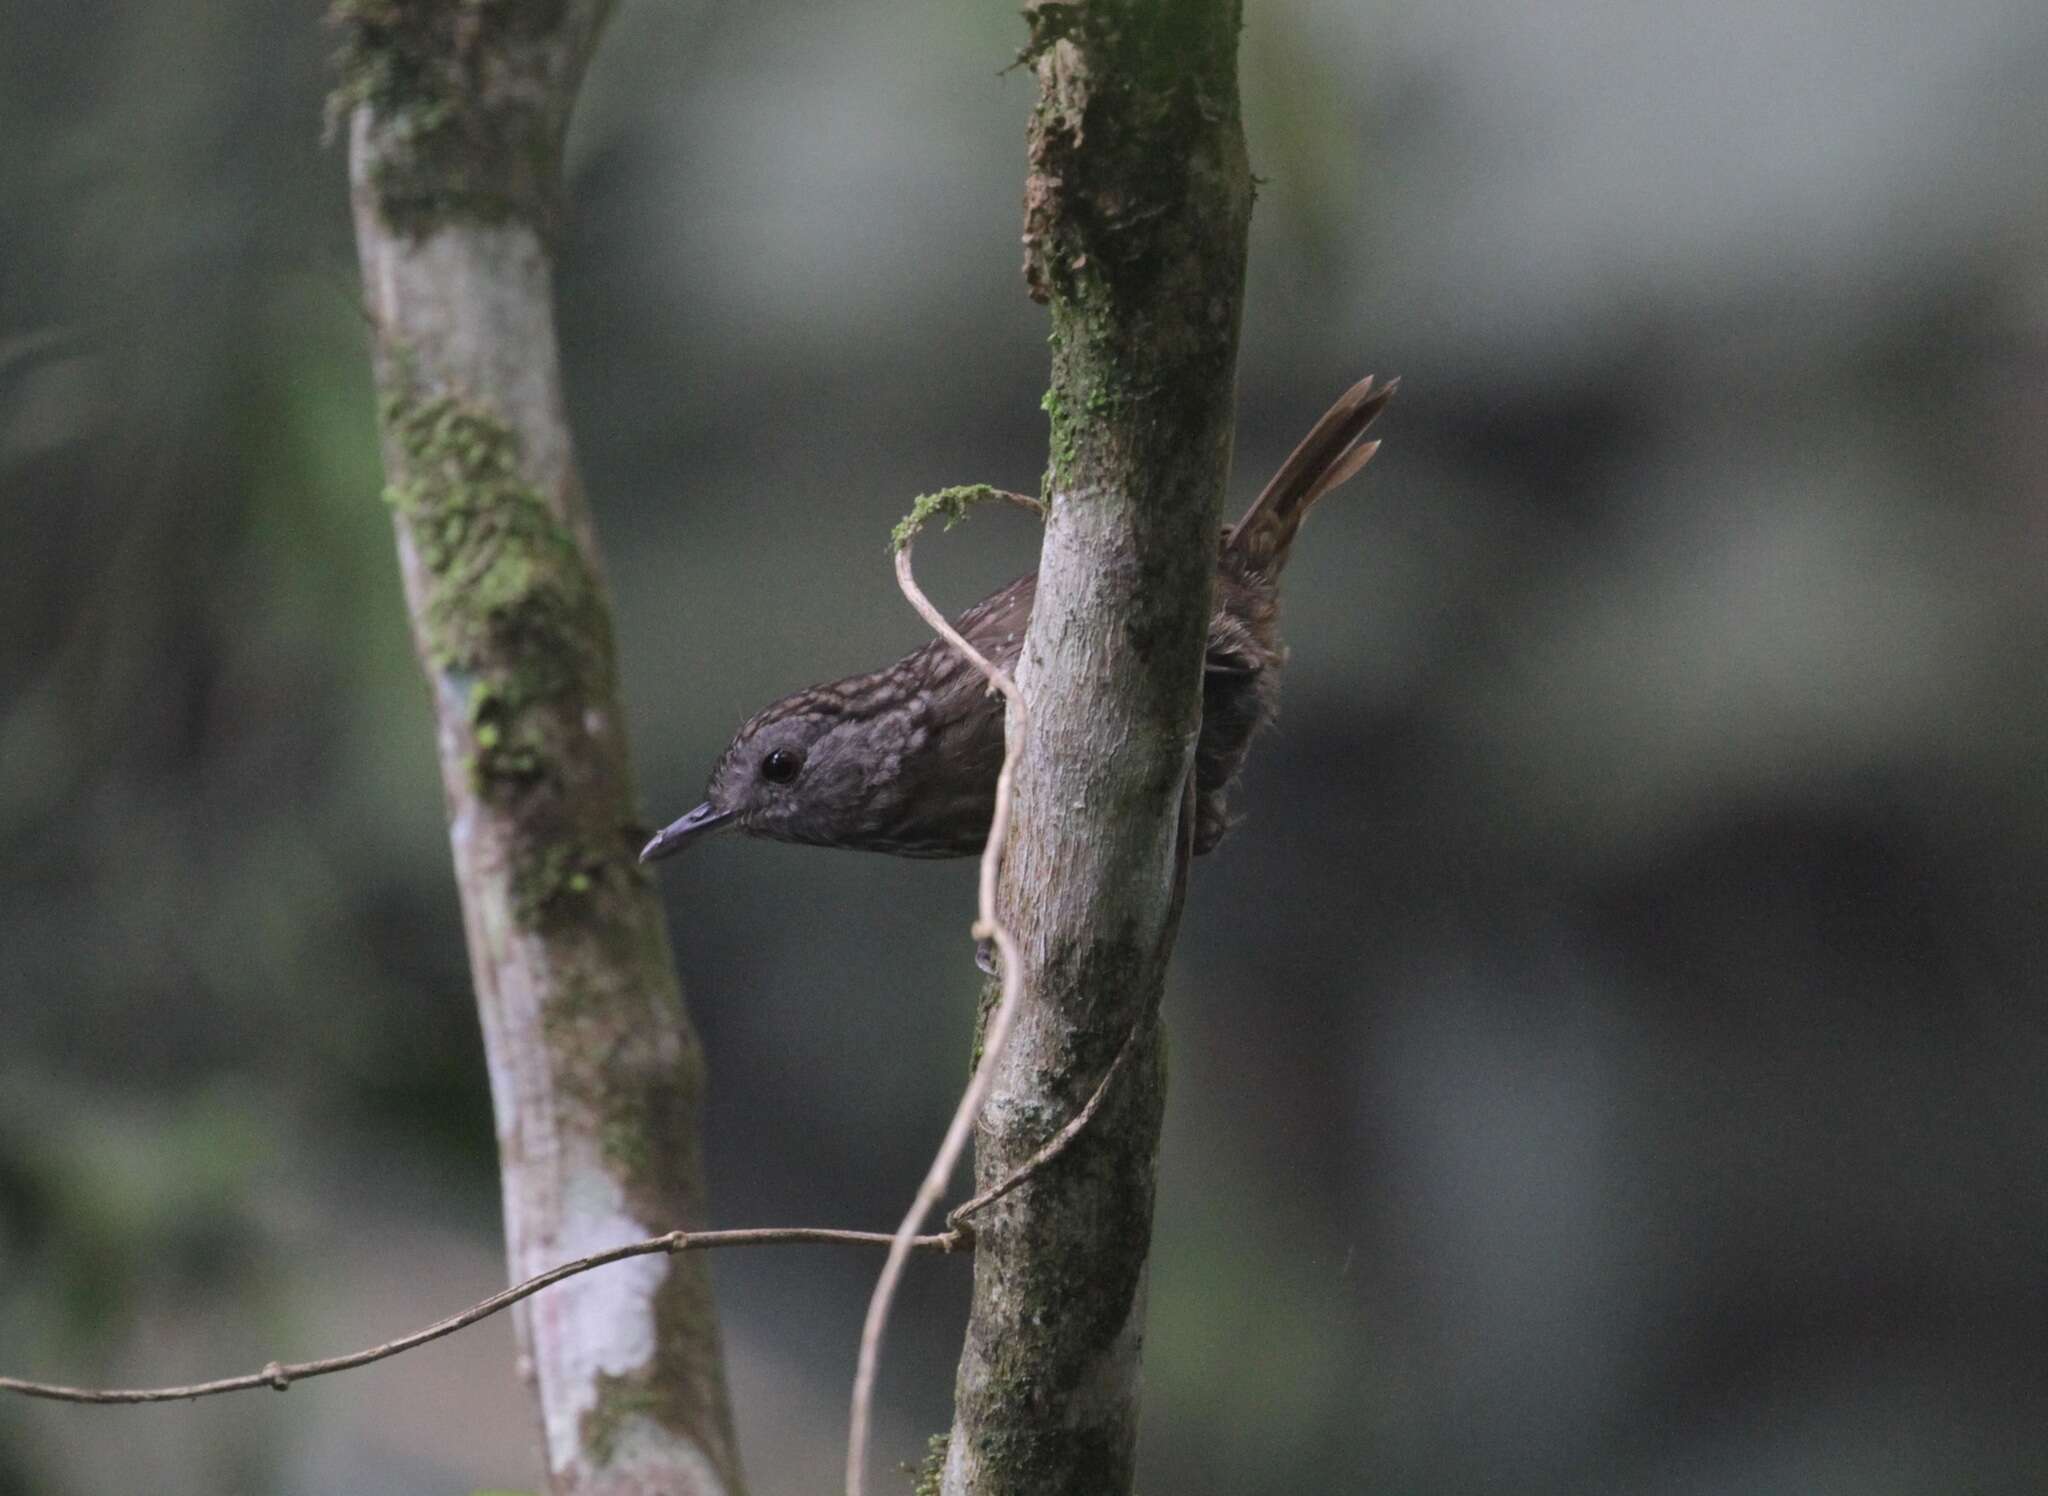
(904,759)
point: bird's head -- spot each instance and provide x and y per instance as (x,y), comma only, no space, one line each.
(809,768)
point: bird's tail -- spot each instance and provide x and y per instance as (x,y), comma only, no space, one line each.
(1330,454)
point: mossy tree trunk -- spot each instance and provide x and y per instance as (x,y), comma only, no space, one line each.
(455,115)
(1136,209)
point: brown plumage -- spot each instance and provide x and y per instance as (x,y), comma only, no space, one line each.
(904,760)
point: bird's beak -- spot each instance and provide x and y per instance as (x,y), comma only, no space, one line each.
(677,835)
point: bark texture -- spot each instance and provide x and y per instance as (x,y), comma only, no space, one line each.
(455,112)
(1136,208)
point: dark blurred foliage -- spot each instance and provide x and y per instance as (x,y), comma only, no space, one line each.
(1608,1057)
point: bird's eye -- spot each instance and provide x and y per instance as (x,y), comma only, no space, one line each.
(781,766)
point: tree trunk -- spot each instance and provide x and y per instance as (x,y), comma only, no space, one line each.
(455,116)
(1136,208)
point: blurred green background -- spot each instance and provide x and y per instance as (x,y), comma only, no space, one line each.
(1607,1058)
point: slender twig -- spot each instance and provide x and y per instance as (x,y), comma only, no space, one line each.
(994,1036)
(281,1375)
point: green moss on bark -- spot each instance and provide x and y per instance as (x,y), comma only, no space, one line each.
(464,129)
(513,618)
(514,628)
(931,1470)
(566,878)
(949,505)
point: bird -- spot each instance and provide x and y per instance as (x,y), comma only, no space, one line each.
(904,760)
